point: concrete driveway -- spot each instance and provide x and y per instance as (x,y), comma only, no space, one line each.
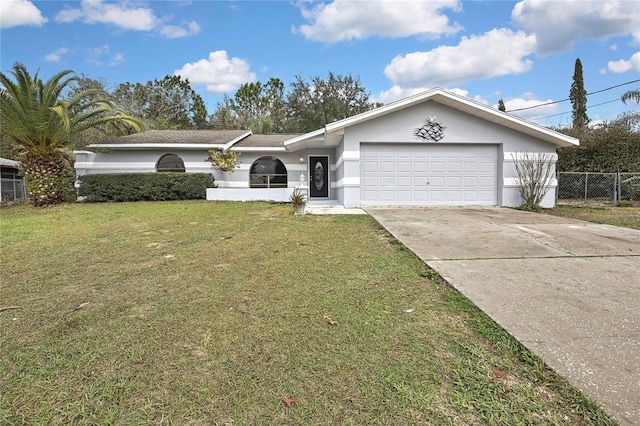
(566,289)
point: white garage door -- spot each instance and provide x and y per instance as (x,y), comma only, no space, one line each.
(428,175)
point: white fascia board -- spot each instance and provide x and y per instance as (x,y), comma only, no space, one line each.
(259,149)
(188,146)
(9,163)
(236,140)
(303,138)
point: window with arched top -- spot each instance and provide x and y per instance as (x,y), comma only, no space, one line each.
(268,172)
(170,163)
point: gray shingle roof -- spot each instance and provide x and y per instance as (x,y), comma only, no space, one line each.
(201,137)
(215,137)
(264,141)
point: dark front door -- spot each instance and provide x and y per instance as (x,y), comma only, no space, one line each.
(319,176)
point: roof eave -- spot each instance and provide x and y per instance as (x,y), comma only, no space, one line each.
(236,140)
(158,146)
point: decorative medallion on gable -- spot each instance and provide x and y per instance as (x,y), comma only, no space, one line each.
(431,131)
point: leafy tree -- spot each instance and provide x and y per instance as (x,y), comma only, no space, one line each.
(106,131)
(311,105)
(225,117)
(608,147)
(260,107)
(578,97)
(40,119)
(501,106)
(169,103)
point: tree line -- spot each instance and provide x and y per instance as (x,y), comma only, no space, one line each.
(171,103)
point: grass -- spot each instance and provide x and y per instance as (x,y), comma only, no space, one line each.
(207,313)
(628,217)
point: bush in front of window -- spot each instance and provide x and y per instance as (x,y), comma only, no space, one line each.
(119,187)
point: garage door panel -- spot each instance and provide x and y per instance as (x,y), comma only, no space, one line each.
(420,166)
(454,181)
(487,167)
(386,166)
(387,181)
(420,196)
(387,195)
(403,195)
(369,182)
(369,166)
(437,181)
(429,174)
(438,166)
(404,181)
(437,196)
(403,166)
(471,181)
(470,167)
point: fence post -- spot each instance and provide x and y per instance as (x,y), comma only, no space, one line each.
(615,189)
(586,185)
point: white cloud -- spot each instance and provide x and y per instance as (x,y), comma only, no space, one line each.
(218,73)
(175,31)
(527,100)
(117,59)
(633,64)
(348,20)
(557,24)
(396,93)
(57,55)
(121,14)
(101,55)
(19,12)
(495,53)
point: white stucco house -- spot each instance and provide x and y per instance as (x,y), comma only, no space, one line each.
(436,148)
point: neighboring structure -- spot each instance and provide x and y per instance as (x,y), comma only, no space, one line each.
(432,149)
(12,186)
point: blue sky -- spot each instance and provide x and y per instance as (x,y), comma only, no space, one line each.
(523,52)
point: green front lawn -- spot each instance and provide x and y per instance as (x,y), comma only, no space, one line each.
(241,313)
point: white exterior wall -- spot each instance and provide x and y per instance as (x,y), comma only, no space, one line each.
(460,128)
(235,184)
(344,160)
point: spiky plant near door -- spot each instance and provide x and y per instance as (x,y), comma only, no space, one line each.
(298,201)
(40,123)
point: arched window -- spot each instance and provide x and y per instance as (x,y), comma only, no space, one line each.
(268,172)
(170,163)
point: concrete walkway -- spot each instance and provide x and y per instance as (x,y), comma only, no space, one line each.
(566,289)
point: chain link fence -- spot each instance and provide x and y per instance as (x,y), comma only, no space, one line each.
(12,190)
(597,188)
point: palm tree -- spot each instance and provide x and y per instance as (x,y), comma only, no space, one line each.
(41,123)
(631,95)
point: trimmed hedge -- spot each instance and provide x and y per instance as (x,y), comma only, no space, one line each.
(144,186)
(624,158)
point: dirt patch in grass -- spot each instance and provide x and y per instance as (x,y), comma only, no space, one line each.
(111,330)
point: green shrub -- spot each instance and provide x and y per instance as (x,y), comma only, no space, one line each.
(144,186)
(623,158)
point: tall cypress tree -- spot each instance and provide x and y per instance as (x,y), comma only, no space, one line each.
(578,98)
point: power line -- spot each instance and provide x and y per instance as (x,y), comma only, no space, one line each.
(564,100)
(568,112)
